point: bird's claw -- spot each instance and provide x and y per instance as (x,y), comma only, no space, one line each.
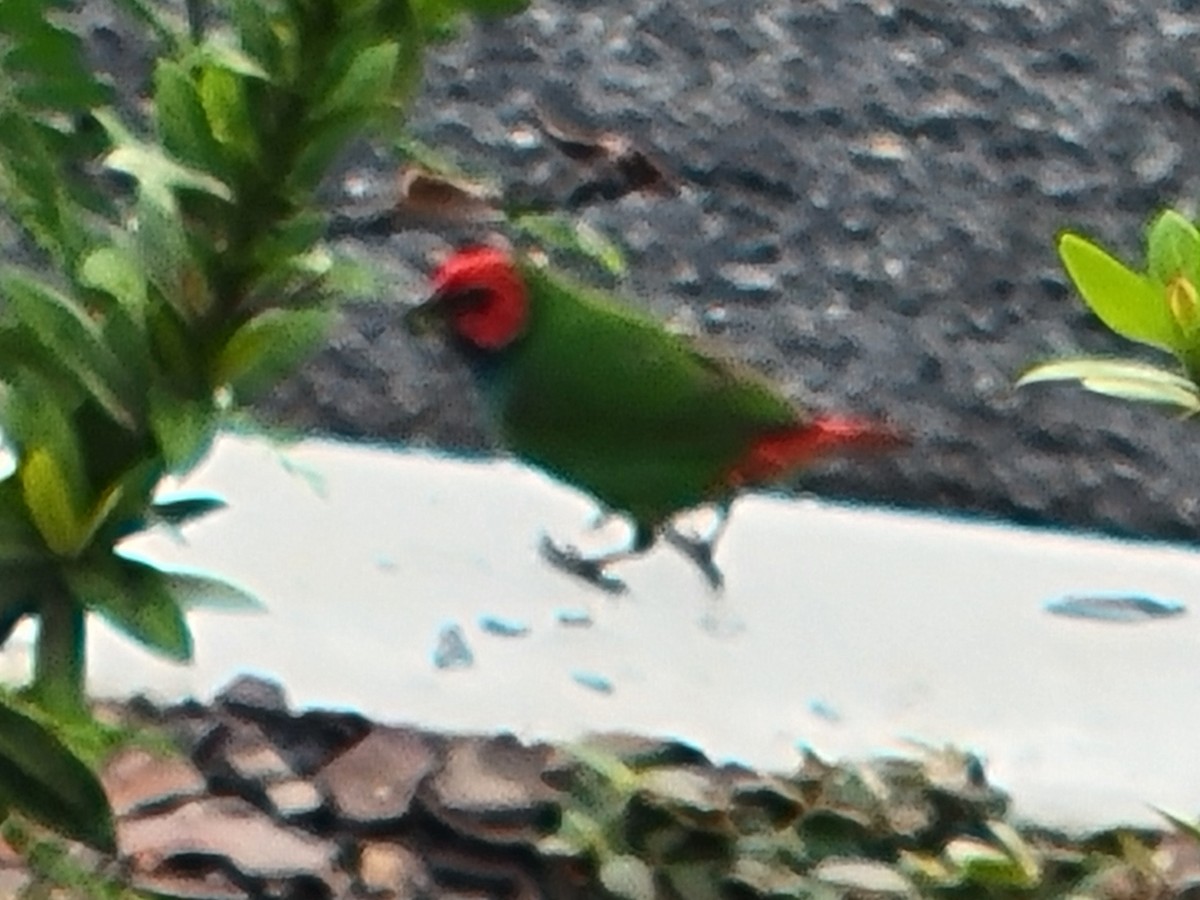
(590,569)
(700,552)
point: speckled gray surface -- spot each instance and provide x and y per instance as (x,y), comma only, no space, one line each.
(869,191)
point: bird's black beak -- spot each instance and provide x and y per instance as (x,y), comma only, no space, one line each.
(425,318)
(434,314)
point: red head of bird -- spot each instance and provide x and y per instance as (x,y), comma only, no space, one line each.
(481,296)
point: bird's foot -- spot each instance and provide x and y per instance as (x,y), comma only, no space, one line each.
(592,569)
(699,551)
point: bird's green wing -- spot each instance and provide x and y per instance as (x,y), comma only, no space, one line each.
(605,398)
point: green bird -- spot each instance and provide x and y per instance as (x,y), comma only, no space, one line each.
(605,399)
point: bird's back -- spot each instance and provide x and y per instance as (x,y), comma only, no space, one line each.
(605,398)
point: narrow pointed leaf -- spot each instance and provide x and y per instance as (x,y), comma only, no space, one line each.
(367,83)
(114,270)
(259,39)
(180,509)
(34,191)
(136,598)
(180,118)
(184,428)
(157,174)
(223,96)
(980,864)
(1132,305)
(1146,392)
(43,780)
(51,506)
(269,346)
(165,252)
(575,237)
(178,357)
(1019,850)
(131,492)
(37,413)
(196,590)
(1124,379)
(60,325)
(218,52)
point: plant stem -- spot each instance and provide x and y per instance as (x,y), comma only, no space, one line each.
(59,664)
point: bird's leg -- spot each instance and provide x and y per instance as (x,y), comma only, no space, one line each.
(593,567)
(699,548)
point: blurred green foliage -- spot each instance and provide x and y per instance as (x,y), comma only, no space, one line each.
(154,276)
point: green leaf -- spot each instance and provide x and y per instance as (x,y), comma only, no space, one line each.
(136,598)
(180,117)
(426,156)
(51,505)
(276,253)
(252,23)
(1132,305)
(595,244)
(979,863)
(157,174)
(64,329)
(575,237)
(42,779)
(223,95)
(352,278)
(180,509)
(218,52)
(321,145)
(61,513)
(166,254)
(37,414)
(176,354)
(129,496)
(437,16)
(367,84)
(115,271)
(1125,379)
(35,190)
(43,64)
(1173,248)
(269,346)
(196,590)
(184,428)
(1019,850)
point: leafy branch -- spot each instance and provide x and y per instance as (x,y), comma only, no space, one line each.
(157,279)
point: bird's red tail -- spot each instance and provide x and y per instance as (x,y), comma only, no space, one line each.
(778,453)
